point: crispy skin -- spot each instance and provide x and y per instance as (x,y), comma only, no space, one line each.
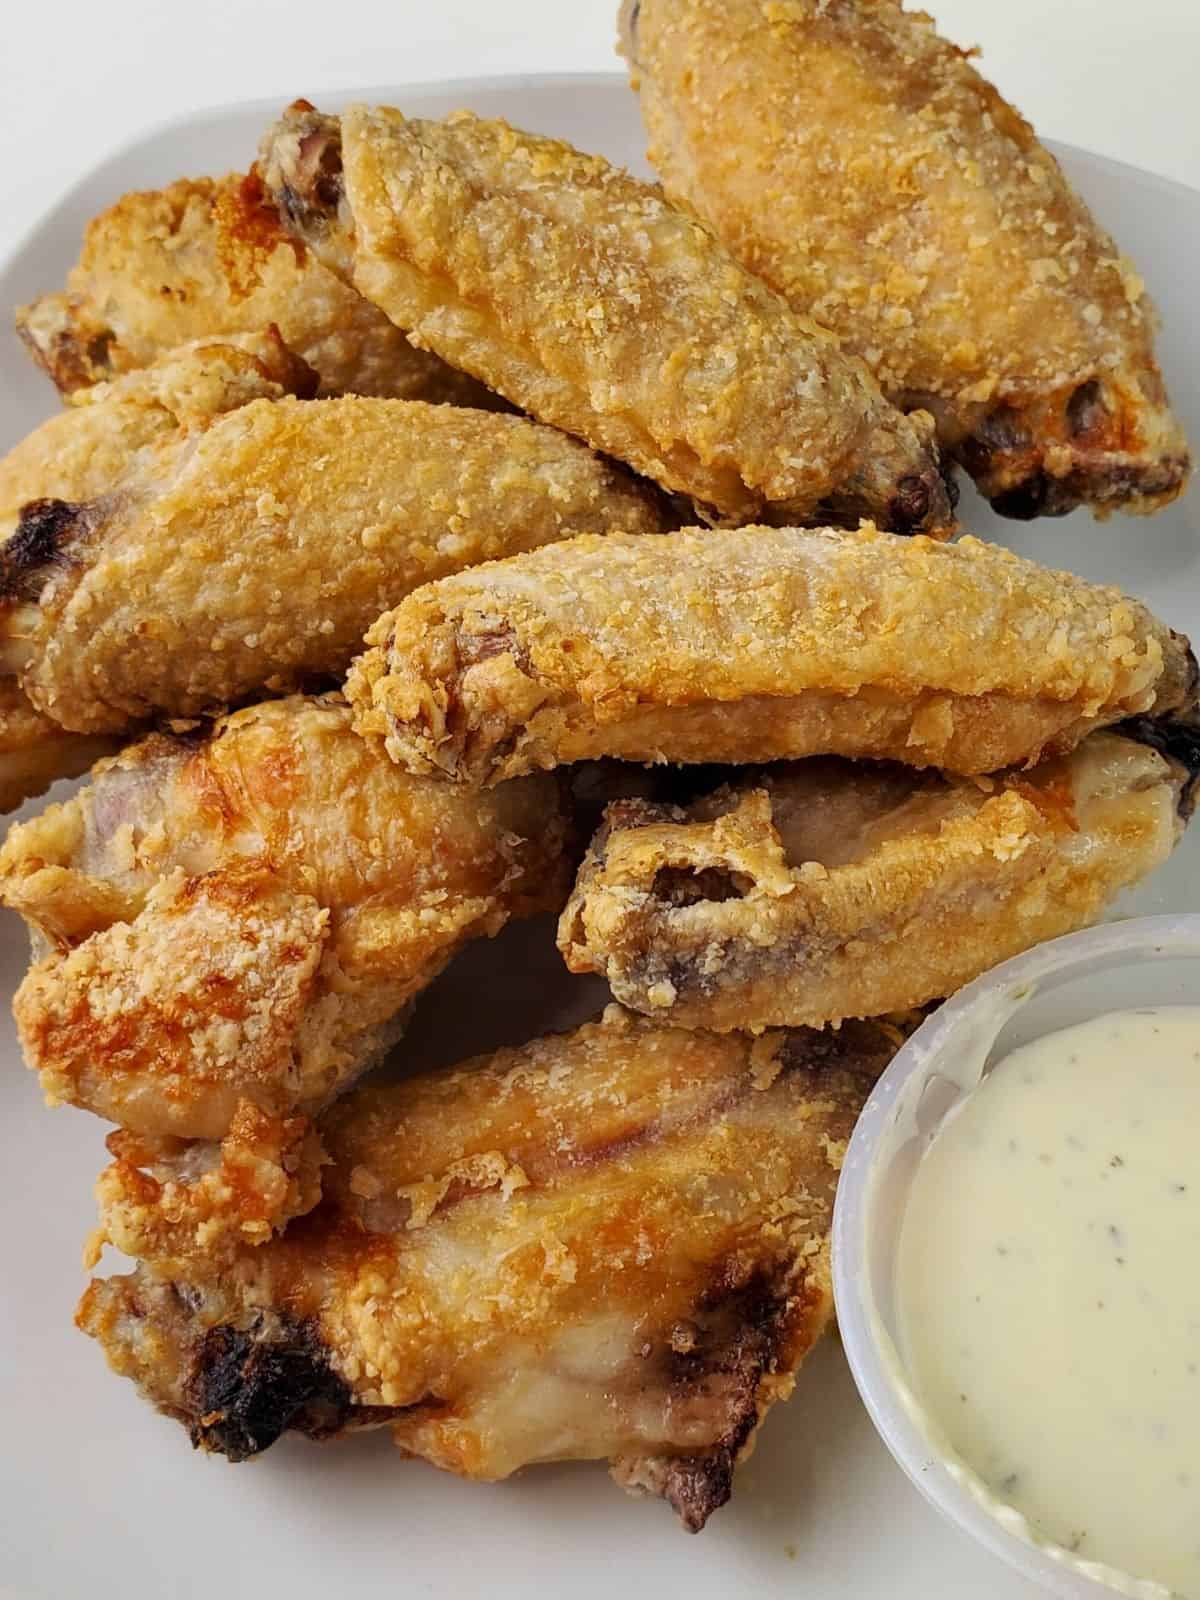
(574,290)
(256,555)
(759,644)
(819,890)
(207,256)
(244,914)
(862,167)
(171,1201)
(86,449)
(80,453)
(612,1244)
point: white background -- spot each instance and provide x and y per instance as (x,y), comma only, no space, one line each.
(79,77)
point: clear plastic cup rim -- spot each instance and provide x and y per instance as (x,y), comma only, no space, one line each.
(874,1367)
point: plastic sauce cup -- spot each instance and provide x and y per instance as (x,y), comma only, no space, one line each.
(1146,961)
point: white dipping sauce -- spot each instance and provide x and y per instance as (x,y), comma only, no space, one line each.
(1048,1289)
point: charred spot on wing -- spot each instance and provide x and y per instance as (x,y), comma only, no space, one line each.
(1177,738)
(1006,454)
(724,1351)
(45,532)
(1035,496)
(696,1486)
(245,1391)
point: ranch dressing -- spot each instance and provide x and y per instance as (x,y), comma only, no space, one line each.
(1048,1292)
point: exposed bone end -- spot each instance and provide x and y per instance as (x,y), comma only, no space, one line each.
(1177,740)
(301,163)
(900,482)
(70,344)
(1108,445)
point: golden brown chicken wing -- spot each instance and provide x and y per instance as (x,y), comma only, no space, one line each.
(573,289)
(813,891)
(860,165)
(83,452)
(208,256)
(243,914)
(255,554)
(609,1245)
(757,644)
(86,449)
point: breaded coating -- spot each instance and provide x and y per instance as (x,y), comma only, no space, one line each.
(171,1202)
(823,889)
(243,914)
(864,169)
(81,453)
(759,644)
(255,554)
(607,1245)
(208,256)
(86,449)
(577,292)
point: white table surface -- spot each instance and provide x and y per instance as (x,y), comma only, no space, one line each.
(78,78)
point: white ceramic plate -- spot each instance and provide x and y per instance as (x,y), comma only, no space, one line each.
(98,1495)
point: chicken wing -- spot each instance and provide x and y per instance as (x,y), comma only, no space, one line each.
(757,644)
(208,256)
(864,169)
(255,554)
(574,290)
(613,1245)
(81,453)
(243,914)
(86,449)
(810,892)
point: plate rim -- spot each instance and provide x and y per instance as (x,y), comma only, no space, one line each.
(486,83)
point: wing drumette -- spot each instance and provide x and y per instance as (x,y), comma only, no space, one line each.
(205,257)
(810,892)
(860,165)
(609,1245)
(243,915)
(255,554)
(81,453)
(758,644)
(574,289)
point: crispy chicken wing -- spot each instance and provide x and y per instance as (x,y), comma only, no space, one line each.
(861,166)
(573,289)
(82,452)
(255,554)
(757,644)
(243,914)
(823,889)
(611,1244)
(86,449)
(204,257)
